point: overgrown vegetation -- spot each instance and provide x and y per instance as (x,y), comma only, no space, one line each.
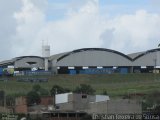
(84,89)
(151,102)
(33,98)
(56,89)
(114,85)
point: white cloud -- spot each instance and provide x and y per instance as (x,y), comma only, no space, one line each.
(136,32)
(84,26)
(75,31)
(7,26)
(30,20)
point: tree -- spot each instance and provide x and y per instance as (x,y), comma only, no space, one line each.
(33,98)
(86,117)
(36,87)
(2,94)
(58,90)
(41,91)
(104,92)
(84,89)
(10,100)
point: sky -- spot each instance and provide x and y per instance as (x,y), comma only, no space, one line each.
(127,26)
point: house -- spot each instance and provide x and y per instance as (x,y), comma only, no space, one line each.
(81,102)
(44,105)
(99,104)
(72,104)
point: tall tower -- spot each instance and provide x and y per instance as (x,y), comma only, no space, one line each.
(45,55)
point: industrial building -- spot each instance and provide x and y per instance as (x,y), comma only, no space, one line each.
(88,61)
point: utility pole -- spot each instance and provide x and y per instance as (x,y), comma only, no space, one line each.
(155,64)
(5,81)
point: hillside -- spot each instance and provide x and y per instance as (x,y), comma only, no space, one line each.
(114,84)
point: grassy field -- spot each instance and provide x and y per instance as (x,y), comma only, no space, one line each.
(114,84)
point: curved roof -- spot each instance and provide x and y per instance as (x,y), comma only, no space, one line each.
(133,55)
(8,62)
(94,49)
(57,56)
(146,52)
(21,57)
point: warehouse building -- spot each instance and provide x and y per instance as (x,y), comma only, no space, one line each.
(89,61)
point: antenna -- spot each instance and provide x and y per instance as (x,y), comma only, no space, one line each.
(47,41)
(42,42)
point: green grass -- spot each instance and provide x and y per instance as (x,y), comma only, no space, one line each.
(114,84)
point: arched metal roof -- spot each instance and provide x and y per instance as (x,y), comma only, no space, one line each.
(21,57)
(9,62)
(147,52)
(94,49)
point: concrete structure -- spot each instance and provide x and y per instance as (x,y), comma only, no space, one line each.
(77,102)
(45,55)
(63,115)
(75,106)
(123,106)
(47,100)
(89,61)
(46,104)
(45,51)
(5,110)
(99,104)
(21,105)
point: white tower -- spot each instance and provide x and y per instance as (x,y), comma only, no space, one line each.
(46,55)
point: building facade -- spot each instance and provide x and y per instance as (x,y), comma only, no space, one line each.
(90,61)
(99,104)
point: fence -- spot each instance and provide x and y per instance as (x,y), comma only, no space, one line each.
(32,79)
